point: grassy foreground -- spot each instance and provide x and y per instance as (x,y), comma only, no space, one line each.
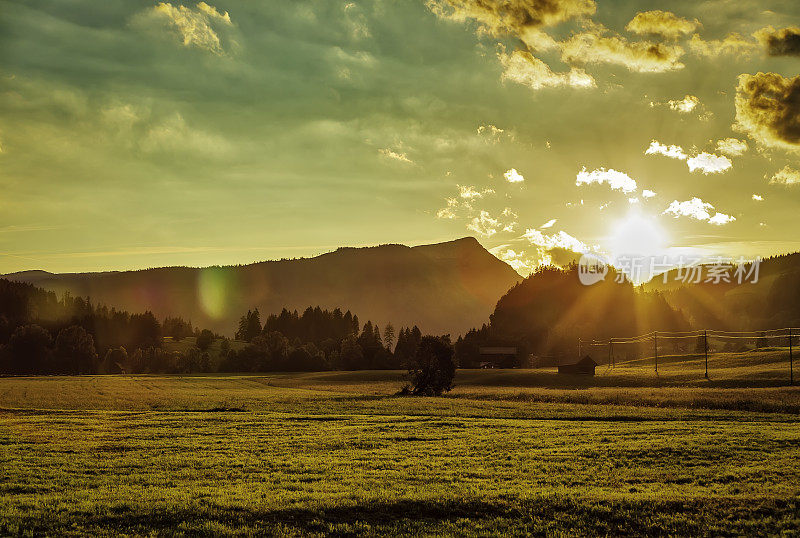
(516,452)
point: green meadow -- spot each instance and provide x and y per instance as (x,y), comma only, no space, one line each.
(507,451)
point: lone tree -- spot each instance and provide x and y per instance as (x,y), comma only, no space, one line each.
(432,368)
(204,340)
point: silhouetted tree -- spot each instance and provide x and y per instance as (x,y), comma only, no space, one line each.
(388,336)
(249,326)
(28,351)
(432,369)
(74,351)
(205,340)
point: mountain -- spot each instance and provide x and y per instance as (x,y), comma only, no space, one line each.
(772,301)
(548,313)
(443,288)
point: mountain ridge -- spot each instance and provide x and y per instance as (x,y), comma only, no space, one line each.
(444,287)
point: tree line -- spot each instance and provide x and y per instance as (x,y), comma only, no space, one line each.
(41,333)
(318,339)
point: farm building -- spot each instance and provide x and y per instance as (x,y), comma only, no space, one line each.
(585,366)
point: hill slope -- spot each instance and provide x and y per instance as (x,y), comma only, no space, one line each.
(773,301)
(443,288)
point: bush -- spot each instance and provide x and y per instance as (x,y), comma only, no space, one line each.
(432,369)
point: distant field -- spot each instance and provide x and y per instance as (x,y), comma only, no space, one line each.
(511,451)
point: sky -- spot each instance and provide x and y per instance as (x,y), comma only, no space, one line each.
(139,134)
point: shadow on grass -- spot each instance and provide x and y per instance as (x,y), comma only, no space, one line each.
(540,516)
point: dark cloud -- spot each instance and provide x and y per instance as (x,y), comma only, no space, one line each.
(768,109)
(513,16)
(783,42)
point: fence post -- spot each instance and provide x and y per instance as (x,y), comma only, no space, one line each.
(611,352)
(655,348)
(705,345)
(791,370)
(579,348)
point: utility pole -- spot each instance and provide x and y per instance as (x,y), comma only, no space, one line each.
(655,348)
(791,371)
(705,345)
(611,352)
(579,348)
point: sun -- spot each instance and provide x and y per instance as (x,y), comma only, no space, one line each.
(638,234)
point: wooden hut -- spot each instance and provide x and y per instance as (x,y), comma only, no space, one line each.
(585,366)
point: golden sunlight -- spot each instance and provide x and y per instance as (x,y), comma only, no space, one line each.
(638,234)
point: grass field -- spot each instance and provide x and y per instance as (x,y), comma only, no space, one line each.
(508,451)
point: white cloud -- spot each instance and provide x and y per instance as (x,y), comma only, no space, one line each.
(709,163)
(554,245)
(647,193)
(593,47)
(673,152)
(512,176)
(732,44)
(517,260)
(445,213)
(616,180)
(548,224)
(523,68)
(699,210)
(634,200)
(484,225)
(396,155)
(720,218)
(732,146)
(685,105)
(758,198)
(786,176)
(469,192)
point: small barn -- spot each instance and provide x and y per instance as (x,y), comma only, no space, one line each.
(585,366)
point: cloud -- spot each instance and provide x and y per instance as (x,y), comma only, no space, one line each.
(785,176)
(495,134)
(469,192)
(618,181)
(555,249)
(699,210)
(592,47)
(662,23)
(733,44)
(673,152)
(758,198)
(548,224)
(783,42)
(515,17)
(768,109)
(732,146)
(517,260)
(709,163)
(524,68)
(194,26)
(397,156)
(173,135)
(512,176)
(685,105)
(484,225)
(647,193)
